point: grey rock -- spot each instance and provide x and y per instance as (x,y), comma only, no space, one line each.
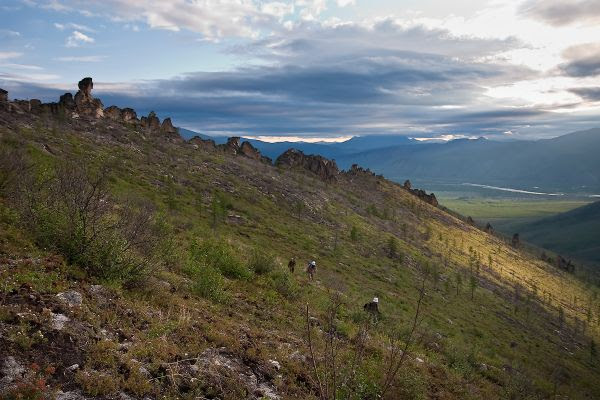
(59,321)
(69,395)
(12,370)
(71,298)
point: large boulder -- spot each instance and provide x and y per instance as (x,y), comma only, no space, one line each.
(326,170)
(86,104)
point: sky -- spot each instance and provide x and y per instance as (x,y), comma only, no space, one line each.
(318,69)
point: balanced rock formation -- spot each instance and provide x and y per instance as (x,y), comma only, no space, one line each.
(421,194)
(86,104)
(325,169)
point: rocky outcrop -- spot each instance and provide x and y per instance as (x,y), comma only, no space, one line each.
(167,128)
(564,264)
(516,240)
(128,114)
(66,100)
(356,170)
(421,194)
(151,123)
(4,104)
(326,170)
(113,112)
(489,228)
(120,114)
(250,151)
(232,146)
(203,144)
(86,104)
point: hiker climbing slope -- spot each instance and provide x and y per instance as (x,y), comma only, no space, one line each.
(311,269)
(372,307)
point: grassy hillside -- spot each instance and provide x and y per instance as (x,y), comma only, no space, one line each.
(575,233)
(188,295)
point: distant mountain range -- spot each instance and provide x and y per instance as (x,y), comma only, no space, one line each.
(575,233)
(569,163)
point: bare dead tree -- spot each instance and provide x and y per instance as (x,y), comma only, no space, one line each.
(398,352)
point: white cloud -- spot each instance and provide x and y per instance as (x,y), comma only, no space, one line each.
(210,18)
(21,67)
(277,9)
(9,33)
(77,38)
(6,55)
(88,59)
(311,9)
(72,25)
(344,3)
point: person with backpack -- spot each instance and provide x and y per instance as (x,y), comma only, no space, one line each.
(373,307)
(292,265)
(311,269)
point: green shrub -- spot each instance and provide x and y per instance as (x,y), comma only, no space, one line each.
(220,256)
(207,281)
(285,284)
(69,209)
(261,263)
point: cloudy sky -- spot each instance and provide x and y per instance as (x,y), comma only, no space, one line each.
(318,68)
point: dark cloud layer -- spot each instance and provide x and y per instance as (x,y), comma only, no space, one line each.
(563,12)
(583,61)
(588,93)
(345,79)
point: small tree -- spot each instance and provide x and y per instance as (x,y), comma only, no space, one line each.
(354,233)
(392,247)
(593,350)
(458,278)
(218,210)
(473,285)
